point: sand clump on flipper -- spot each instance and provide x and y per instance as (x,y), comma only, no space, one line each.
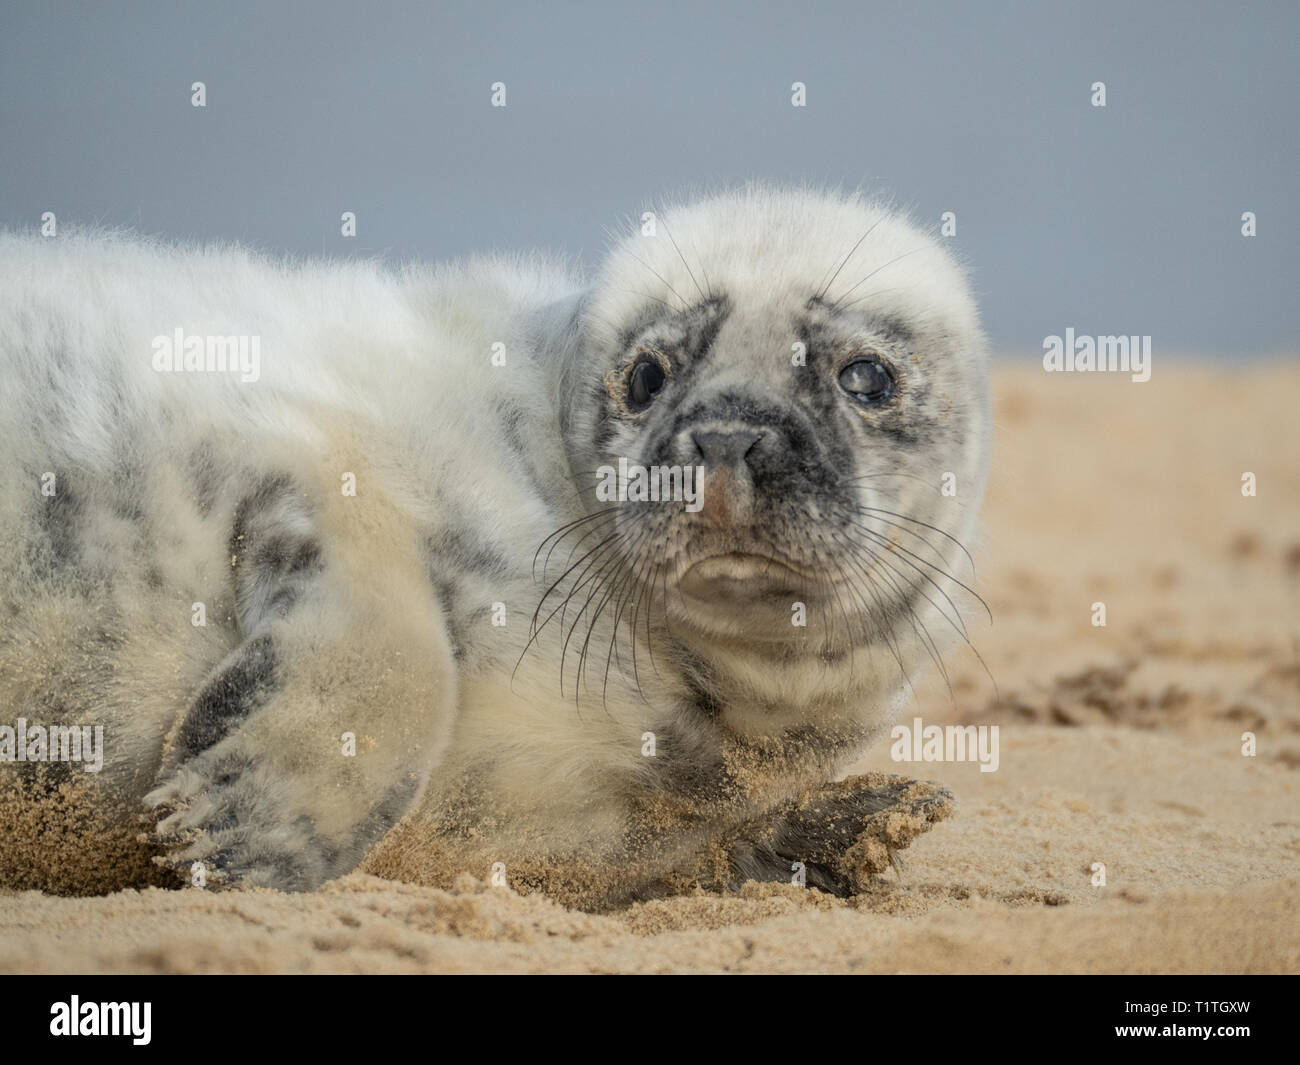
(919,805)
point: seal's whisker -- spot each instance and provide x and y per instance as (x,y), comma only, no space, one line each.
(646,296)
(897,258)
(662,279)
(919,627)
(594,529)
(637,593)
(895,550)
(627,586)
(935,528)
(849,638)
(559,534)
(873,476)
(611,538)
(610,543)
(897,547)
(824,288)
(873,293)
(606,590)
(905,530)
(678,250)
(595,581)
(880,612)
(959,629)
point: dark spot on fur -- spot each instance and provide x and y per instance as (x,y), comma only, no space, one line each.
(465,552)
(60,515)
(284,555)
(204,478)
(512,418)
(267,490)
(241,687)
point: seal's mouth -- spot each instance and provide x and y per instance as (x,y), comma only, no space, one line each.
(740,576)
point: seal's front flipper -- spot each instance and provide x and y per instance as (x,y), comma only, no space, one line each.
(899,810)
(319,731)
(843,834)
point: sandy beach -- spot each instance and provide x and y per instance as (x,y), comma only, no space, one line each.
(1120,745)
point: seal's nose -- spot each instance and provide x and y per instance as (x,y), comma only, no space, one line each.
(718,449)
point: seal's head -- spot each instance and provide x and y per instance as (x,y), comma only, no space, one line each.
(821,359)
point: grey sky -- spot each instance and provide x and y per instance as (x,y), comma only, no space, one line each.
(1123,219)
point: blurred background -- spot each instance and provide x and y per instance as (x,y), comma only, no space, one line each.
(1117,219)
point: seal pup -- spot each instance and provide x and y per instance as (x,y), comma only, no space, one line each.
(381,577)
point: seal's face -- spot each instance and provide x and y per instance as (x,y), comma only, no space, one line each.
(792,456)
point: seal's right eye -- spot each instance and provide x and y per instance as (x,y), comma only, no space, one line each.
(644,381)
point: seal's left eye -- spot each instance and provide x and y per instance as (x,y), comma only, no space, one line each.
(644,383)
(867,381)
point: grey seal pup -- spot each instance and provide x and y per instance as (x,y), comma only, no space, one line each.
(590,585)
